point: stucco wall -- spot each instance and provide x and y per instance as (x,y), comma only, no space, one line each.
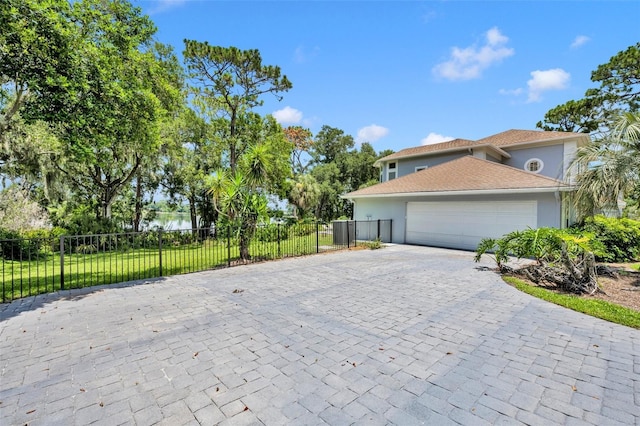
(552,157)
(549,208)
(406,166)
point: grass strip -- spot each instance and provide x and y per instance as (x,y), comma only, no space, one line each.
(42,275)
(594,307)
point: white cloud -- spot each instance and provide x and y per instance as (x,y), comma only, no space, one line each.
(163,5)
(429,16)
(542,81)
(287,115)
(468,63)
(302,54)
(511,92)
(371,133)
(495,37)
(435,138)
(579,41)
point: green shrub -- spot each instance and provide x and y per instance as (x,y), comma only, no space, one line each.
(90,225)
(303,229)
(373,245)
(542,245)
(14,246)
(271,233)
(620,238)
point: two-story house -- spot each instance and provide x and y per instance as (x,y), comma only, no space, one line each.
(455,193)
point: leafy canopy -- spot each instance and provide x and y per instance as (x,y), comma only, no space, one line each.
(619,91)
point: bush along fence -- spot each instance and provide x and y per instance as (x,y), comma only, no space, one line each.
(32,266)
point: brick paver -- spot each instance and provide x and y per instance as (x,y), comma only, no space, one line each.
(402,335)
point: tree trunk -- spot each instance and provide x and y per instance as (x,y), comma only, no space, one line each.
(247,229)
(137,215)
(106,204)
(233,155)
(193,215)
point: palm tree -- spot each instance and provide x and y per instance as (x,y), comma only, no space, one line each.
(608,170)
(304,195)
(239,197)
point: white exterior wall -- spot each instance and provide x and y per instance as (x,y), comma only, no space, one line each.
(549,208)
(551,156)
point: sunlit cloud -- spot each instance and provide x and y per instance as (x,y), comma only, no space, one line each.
(511,92)
(579,41)
(371,133)
(429,16)
(160,6)
(435,138)
(302,54)
(543,81)
(287,115)
(469,62)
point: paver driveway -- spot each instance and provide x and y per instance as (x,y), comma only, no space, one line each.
(402,335)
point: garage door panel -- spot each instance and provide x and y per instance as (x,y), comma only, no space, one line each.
(464,224)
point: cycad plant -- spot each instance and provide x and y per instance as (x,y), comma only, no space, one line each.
(239,196)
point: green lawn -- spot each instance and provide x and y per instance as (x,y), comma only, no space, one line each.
(594,307)
(43,274)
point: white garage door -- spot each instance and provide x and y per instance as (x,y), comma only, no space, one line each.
(461,224)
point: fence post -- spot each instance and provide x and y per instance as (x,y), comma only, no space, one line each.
(229,245)
(390,229)
(317,237)
(378,236)
(355,233)
(61,262)
(160,250)
(279,251)
(348,233)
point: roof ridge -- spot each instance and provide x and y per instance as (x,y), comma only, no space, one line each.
(499,141)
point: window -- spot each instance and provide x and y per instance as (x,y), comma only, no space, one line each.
(534,165)
(418,168)
(391,172)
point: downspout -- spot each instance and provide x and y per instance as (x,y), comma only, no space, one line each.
(563,212)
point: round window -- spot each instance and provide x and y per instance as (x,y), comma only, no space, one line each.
(534,165)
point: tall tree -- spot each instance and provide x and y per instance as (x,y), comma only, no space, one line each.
(231,82)
(240,195)
(188,160)
(37,61)
(339,168)
(329,205)
(329,143)
(304,195)
(115,125)
(254,152)
(619,91)
(358,166)
(302,141)
(38,83)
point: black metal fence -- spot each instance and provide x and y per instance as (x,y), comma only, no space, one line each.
(33,266)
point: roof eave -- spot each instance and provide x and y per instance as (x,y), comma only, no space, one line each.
(579,136)
(491,147)
(464,192)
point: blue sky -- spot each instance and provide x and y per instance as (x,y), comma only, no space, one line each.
(404,73)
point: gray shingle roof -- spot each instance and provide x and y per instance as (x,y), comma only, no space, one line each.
(463,174)
(516,137)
